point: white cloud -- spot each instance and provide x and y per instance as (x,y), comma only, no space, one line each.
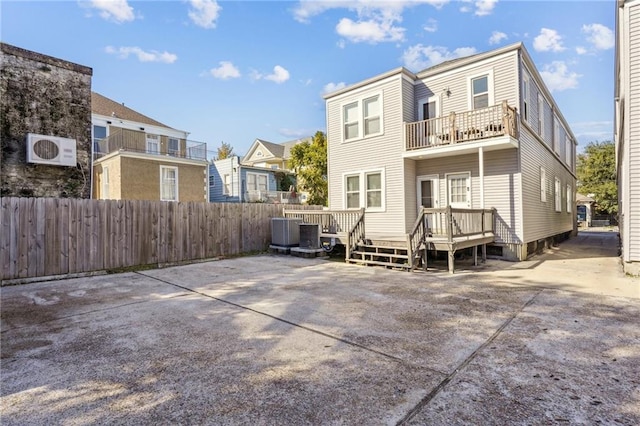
(341,44)
(204,13)
(478,7)
(548,40)
(497,37)
(142,55)
(332,87)
(599,36)
(306,9)
(372,31)
(295,133)
(114,10)
(419,57)
(225,71)
(279,75)
(485,7)
(431,26)
(581,50)
(558,77)
(588,131)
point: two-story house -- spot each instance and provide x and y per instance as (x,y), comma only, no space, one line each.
(627,129)
(271,155)
(139,158)
(477,132)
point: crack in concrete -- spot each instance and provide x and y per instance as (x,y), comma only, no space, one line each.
(435,391)
(313,330)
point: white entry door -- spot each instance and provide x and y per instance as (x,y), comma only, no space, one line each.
(459,190)
(428,191)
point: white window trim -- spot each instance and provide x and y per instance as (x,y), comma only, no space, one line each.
(569,199)
(162,168)
(423,101)
(541,102)
(227,187)
(568,151)
(257,175)
(362,175)
(557,195)
(556,132)
(543,185)
(105,183)
(558,147)
(489,74)
(360,109)
(156,141)
(93,137)
(448,191)
(526,107)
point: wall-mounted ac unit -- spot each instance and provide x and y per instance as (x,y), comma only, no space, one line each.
(53,150)
(285,232)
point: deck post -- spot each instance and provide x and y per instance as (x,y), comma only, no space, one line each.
(484,253)
(347,248)
(449,214)
(475,255)
(451,259)
(409,253)
(453,132)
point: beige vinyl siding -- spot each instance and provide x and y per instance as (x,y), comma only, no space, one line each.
(501,186)
(505,87)
(540,219)
(409,166)
(633,137)
(378,152)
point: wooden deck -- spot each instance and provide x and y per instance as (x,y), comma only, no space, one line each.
(446,229)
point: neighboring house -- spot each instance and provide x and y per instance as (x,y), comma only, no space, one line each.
(45,125)
(139,158)
(477,132)
(627,129)
(232,181)
(584,208)
(271,155)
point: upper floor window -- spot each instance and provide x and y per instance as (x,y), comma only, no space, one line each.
(226,184)
(153,144)
(362,118)
(99,133)
(525,96)
(568,151)
(168,183)
(556,133)
(174,147)
(480,92)
(540,115)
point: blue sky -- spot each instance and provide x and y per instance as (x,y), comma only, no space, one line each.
(235,71)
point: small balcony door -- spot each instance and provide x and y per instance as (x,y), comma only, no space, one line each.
(428,192)
(459,190)
(428,109)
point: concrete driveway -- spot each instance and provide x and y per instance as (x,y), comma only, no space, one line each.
(281,340)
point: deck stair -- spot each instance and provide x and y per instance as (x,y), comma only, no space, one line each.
(380,254)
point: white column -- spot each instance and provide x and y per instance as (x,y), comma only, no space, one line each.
(481,167)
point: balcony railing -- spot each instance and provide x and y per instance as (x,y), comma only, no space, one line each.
(493,121)
(272,197)
(135,142)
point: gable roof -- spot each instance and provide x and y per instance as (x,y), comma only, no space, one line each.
(104,106)
(276,150)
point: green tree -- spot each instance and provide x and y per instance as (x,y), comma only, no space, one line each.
(596,169)
(309,162)
(224,151)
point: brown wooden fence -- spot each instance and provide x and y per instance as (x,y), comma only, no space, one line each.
(51,236)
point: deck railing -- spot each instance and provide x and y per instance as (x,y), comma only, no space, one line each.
(330,221)
(448,224)
(132,141)
(272,197)
(355,235)
(493,121)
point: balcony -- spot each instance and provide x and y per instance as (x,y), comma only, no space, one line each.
(272,197)
(494,127)
(132,141)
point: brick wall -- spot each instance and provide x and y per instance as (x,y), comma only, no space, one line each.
(49,96)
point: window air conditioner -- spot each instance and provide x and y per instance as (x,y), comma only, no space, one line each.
(53,150)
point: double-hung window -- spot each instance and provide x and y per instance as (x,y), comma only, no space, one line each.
(525,96)
(105,183)
(168,183)
(556,133)
(364,189)
(226,184)
(541,115)
(256,182)
(480,92)
(153,144)
(99,134)
(569,198)
(558,195)
(174,147)
(568,151)
(543,185)
(362,118)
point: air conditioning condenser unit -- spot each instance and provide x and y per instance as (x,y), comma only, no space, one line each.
(285,232)
(309,236)
(52,150)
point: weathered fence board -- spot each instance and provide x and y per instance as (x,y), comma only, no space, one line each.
(48,236)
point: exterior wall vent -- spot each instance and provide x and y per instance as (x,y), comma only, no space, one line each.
(52,150)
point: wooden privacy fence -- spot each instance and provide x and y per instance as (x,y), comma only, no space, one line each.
(51,236)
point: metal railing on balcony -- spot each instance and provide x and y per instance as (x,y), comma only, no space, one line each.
(272,197)
(493,121)
(135,142)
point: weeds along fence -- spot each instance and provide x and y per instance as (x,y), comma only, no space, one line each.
(50,236)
